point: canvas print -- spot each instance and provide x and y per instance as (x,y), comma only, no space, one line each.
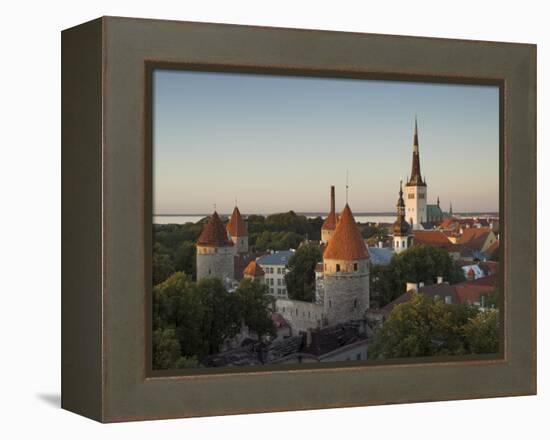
(301,219)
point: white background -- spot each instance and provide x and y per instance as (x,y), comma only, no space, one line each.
(30,220)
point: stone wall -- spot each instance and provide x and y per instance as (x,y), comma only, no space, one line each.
(241,244)
(215,262)
(300,315)
(346,296)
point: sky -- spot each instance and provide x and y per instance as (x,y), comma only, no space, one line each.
(276,143)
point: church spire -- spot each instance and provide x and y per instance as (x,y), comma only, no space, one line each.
(416,177)
(400,227)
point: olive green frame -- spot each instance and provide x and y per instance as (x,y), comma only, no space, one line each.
(106,218)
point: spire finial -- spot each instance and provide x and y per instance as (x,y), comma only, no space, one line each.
(438,201)
(214,207)
(347,185)
(235,201)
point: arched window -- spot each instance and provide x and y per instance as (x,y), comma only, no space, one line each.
(355,267)
(337,268)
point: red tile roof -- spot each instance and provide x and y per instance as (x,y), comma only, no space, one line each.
(330,222)
(236,225)
(347,242)
(431,238)
(474,238)
(254,269)
(213,233)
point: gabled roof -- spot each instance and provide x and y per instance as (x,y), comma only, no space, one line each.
(475,238)
(254,269)
(449,223)
(236,225)
(213,233)
(347,242)
(431,238)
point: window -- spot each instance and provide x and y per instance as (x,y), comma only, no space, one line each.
(396,244)
(411,196)
(279,270)
(403,244)
(355,303)
(278,281)
(337,268)
(284,282)
(358,357)
(278,291)
(355,267)
(329,303)
(271,290)
(209,272)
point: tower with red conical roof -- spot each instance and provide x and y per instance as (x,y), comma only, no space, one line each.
(215,253)
(329,225)
(237,231)
(416,189)
(345,272)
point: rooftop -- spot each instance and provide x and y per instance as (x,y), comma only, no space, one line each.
(254,269)
(236,225)
(213,233)
(347,242)
(277,258)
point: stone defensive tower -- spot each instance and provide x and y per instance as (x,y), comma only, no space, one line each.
(402,238)
(416,190)
(346,272)
(329,225)
(237,231)
(215,253)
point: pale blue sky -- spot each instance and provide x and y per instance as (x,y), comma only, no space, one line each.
(278,142)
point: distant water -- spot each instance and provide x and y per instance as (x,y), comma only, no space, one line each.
(182,219)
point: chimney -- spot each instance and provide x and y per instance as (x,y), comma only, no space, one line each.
(411,286)
(332,200)
(439,280)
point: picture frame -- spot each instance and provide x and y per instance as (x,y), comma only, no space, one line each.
(106,218)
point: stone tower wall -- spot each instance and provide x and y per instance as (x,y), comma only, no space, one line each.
(215,262)
(241,244)
(326,235)
(346,296)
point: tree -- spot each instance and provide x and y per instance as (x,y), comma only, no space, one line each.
(482,332)
(300,279)
(167,352)
(220,318)
(417,264)
(177,305)
(423,327)
(185,259)
(162,264)
(253,307)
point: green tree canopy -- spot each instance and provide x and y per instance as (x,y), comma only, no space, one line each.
(417,264)
(426,327)
(482,332)
(167,352)
(253,307)
(300,279)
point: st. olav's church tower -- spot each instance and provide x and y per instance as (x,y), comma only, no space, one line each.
(416,190)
